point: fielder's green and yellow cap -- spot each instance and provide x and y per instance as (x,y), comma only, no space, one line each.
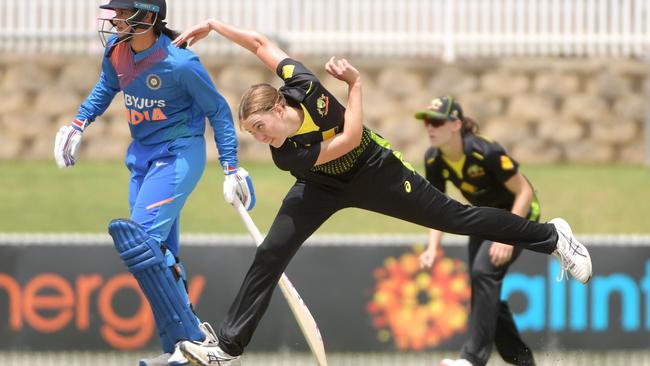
(441,108)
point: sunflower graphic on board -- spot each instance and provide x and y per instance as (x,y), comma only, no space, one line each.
(419,309)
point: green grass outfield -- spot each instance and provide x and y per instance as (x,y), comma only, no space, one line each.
(38,197)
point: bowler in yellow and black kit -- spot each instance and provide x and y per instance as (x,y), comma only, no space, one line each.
(310,135)
(371,177)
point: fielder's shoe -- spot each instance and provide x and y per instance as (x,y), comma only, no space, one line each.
(177,358)
(459,362)
(573,256)
(207,355)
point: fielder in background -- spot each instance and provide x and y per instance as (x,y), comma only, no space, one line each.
(340,163)
(486,176)
(168,95)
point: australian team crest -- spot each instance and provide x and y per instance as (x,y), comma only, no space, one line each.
(436,104)
(323,105)
(154,82)
(475,171)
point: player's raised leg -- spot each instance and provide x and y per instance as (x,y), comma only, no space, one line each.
(410,197)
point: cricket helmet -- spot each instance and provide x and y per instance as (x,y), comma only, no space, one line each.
(136,24)
(156,6)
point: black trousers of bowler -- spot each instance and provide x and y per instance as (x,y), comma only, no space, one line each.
(491,321)
(383,184)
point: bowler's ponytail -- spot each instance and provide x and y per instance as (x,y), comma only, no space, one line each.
(469,125)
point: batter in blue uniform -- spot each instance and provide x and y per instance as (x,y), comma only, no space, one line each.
(168,95)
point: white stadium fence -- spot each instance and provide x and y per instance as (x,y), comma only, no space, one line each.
(448,29)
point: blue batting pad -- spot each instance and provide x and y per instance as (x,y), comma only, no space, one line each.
(164,289)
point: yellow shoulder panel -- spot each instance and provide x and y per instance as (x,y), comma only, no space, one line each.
(287,71)
(506,163)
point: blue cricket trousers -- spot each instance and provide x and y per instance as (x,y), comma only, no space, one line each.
(162,177)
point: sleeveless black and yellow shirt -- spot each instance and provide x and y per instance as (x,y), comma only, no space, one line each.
(480,174)
(323,118)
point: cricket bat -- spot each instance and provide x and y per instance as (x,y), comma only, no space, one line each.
(300,311)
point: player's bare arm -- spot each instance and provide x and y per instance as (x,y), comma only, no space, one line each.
(500,254)
(268,52)
(429,255)
(350,138)
(523,192)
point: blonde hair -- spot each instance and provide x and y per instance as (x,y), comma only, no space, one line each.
(259,98)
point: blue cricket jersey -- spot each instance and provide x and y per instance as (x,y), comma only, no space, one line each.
(167,93)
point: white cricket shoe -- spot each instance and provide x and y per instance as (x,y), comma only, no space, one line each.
(574,257)
(200,354)
(177,358)
(459,362)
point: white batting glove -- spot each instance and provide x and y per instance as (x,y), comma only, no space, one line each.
(67,143)
(239,186)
